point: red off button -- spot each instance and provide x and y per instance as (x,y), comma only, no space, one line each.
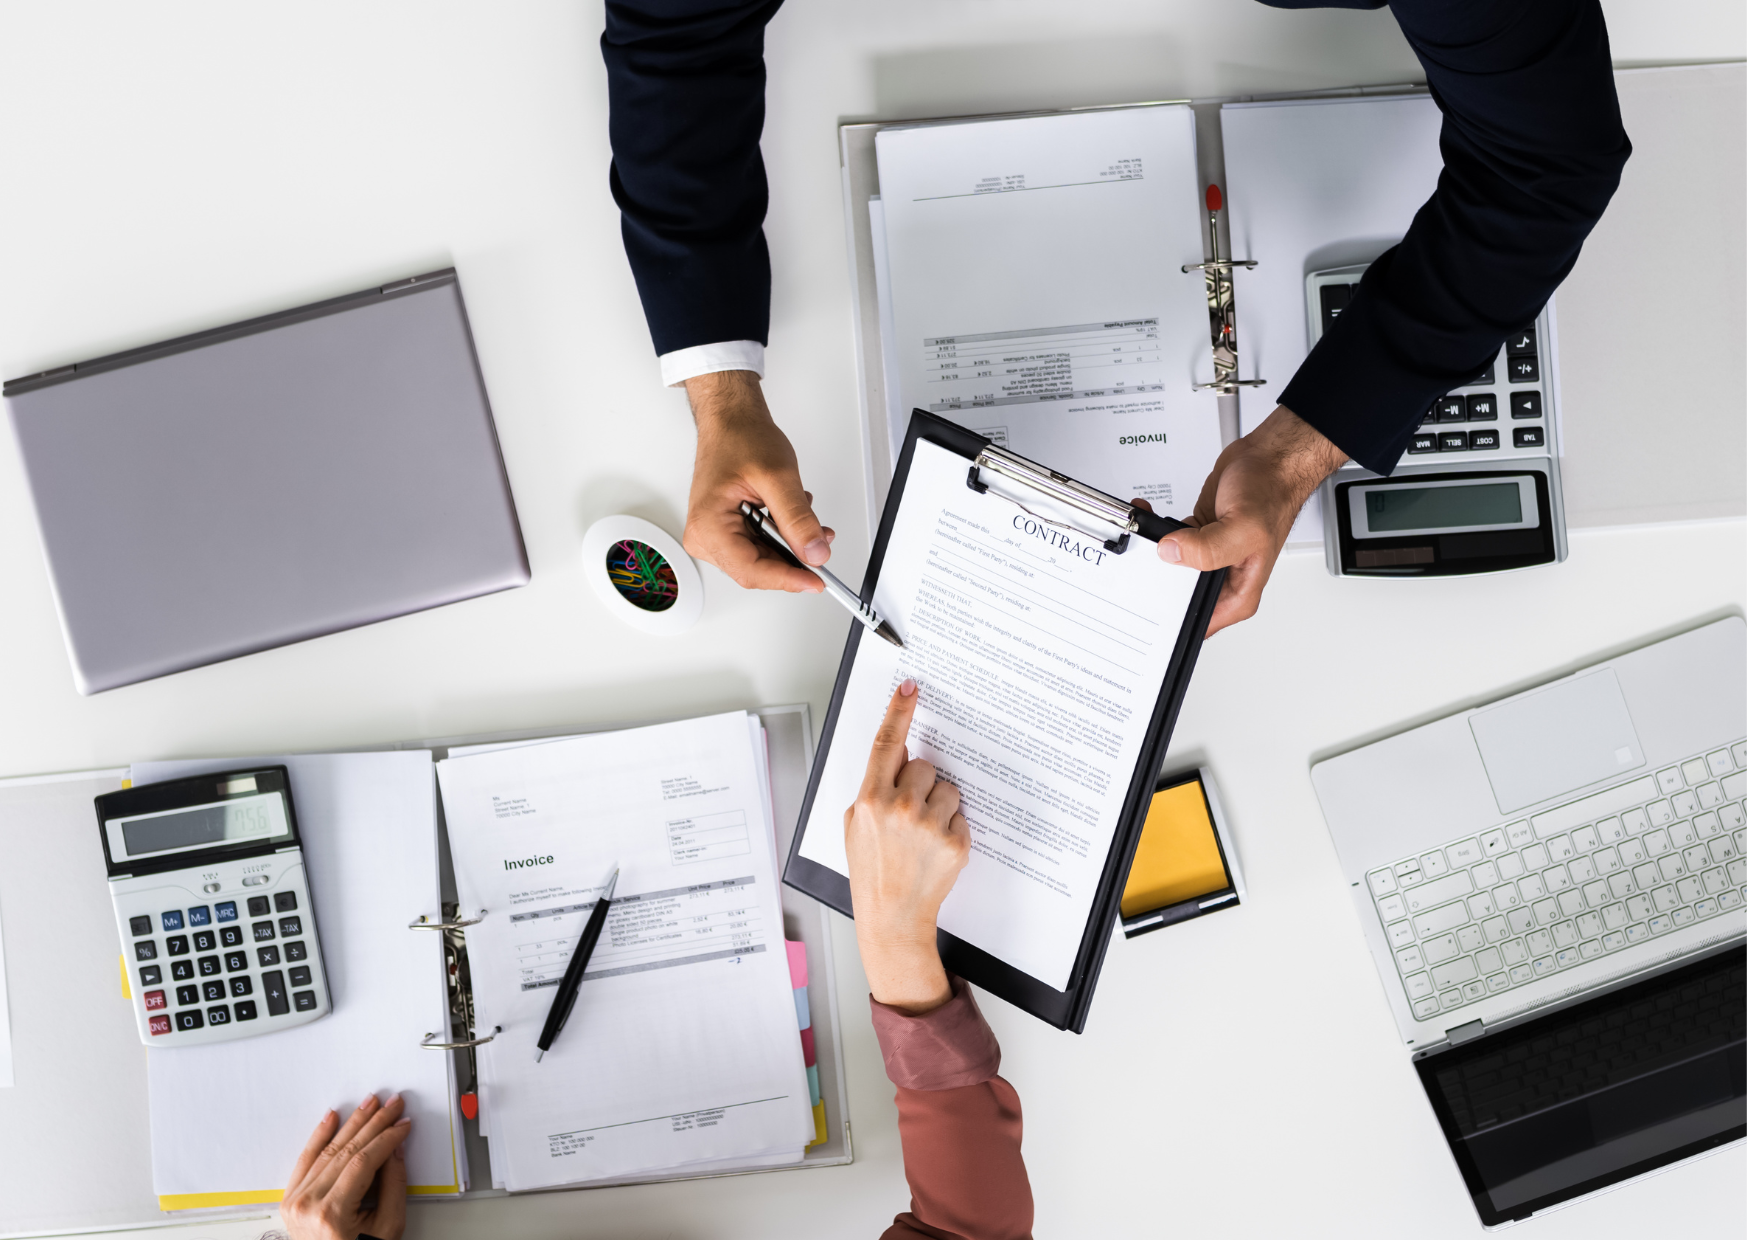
(155,1001)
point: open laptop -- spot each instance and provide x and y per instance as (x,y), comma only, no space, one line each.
(1552,886)
(266,482)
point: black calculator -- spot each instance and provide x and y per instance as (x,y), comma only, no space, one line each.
(212,900)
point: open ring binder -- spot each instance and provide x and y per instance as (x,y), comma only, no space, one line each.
(425,923)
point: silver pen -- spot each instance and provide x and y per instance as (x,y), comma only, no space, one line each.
(760,524)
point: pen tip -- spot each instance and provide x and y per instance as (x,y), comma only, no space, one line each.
(537,1056)
(886,630)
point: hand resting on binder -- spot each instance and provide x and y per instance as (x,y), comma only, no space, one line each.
(342,1166)
(1247,508)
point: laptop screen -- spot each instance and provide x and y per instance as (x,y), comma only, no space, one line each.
(1596,1093)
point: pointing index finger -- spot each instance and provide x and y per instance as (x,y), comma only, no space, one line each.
(889,754)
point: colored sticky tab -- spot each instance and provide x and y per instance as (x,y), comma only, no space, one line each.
(813,1084)
(797,962)
(803,1017)
(808,1056)
(818,1125)
(127,991)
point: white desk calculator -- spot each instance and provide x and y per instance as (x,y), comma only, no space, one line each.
(213,905)
(1478,490)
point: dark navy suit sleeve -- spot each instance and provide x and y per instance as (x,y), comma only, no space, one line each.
(1533,149)
(686,92)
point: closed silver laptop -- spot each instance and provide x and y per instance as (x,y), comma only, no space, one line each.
(1552,886)
(267,482)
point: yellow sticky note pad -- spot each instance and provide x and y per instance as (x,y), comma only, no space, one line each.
(1178,857)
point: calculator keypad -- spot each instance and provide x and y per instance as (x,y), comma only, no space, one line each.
(232,961)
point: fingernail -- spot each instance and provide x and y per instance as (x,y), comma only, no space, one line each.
(907,688)
(817,552)
(369,1103)
(1169,552)
(403,1121)
(831,536)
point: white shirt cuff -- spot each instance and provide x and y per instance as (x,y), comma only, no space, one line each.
(704,359)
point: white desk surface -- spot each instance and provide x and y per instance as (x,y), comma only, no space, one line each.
(172,169)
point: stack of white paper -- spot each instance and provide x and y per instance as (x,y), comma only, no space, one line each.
(229,1119)
(1031,288)
(682,1053)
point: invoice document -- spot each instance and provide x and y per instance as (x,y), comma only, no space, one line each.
(683,1047)
(1039,656)
(1032,290)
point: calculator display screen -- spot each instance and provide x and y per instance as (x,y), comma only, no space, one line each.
(242,820)
(1390,509)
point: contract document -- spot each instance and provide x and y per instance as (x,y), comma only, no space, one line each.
(1040,656)
(1031,289)
(682,1050)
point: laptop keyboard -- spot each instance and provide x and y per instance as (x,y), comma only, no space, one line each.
(1531,898)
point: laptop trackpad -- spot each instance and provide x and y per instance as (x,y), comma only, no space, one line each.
(1557,740)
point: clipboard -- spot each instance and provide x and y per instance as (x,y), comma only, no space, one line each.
(1064,1009)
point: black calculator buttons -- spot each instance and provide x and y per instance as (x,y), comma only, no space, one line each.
(187,994)
(203,941)
(263,931)
(305,1000)
(1526,436)
(220,1015)
(182,970)
(258,906)
(1524,369)
(177,944)
(235,962)
(199,916)
(172,920)
(209,966)
(285,901)
(1481,441)
(139,925)
(1424,441)
(1526,404)
(295,951)
(1521,342)
(226,911)
(212,991)
(267,956)
(245,1010)
(290,927)
(189,1020)
(1483,407)
(146,950)
(1453,441)
(242,986)
(300,976)
(1450,409)
(231,936)
(151,975)
(273,990)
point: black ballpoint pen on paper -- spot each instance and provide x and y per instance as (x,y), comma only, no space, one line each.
(566,998)
(759,525)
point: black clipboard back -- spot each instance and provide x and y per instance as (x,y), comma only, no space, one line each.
(1064,1009)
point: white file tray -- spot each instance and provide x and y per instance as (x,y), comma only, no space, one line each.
(77,1052)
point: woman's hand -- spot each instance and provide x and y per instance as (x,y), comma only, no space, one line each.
(340,1165)
(907,842)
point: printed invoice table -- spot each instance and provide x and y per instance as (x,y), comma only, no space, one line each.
(129,228)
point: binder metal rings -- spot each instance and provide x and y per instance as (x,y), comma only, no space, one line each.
(425,923)
(428,1044)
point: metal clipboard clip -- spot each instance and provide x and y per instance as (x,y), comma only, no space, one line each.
(457,981)
(1060,489)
